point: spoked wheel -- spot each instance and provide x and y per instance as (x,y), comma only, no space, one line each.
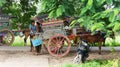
(59,45)
(7,37)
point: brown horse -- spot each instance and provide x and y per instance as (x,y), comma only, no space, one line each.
(26,33)
(99,38)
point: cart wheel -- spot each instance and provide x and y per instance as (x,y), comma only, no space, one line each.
(59,45)
(7,37)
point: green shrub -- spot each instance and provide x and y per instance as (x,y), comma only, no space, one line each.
(20,41)
(96,63)
(113,42)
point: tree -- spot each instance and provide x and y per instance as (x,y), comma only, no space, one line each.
(23,10)
(2,2)
(94,15)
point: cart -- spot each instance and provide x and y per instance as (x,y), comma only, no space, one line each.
(6,34)
(58,41)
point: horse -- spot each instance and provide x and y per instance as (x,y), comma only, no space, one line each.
(96,38)
(99,37)
(26,33)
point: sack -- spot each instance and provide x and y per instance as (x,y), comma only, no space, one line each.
(36,42)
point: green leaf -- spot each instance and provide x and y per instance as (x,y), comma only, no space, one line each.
(109,1)
(83,11)
(116,11)
(110,25)
(44,4)
(80,20)
(51,14)
(93,10)
(60,10)
(96,15)
(82,0)
(89,4)
(97,26)
(2,2)
(116,27)
(73,23)
(100,2)
(103,14)
(112,17)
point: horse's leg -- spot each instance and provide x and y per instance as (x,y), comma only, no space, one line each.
(99,46)
(25,41)
(31,45)
(76,40)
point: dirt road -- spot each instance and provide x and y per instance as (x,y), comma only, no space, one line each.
(22,59)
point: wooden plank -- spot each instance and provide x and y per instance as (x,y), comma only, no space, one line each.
(60,22)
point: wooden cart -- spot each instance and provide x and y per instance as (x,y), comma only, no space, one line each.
(6,34)
(58,40)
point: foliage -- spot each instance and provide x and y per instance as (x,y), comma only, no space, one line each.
(113,42)
(57,8)
(23,10)
(2,2)
(97,15)
(20,41)
(96,63)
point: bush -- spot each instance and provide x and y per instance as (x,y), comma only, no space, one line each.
(20,41)
(113,42)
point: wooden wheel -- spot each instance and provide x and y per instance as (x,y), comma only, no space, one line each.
(7,37)
(59,45)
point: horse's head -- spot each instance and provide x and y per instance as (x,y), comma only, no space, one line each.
(25,32)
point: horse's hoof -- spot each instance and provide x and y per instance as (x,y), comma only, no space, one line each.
(99,53)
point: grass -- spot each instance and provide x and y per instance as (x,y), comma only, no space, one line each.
(20,41)
(95,63)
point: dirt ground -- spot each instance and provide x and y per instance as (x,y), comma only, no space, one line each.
(54,62)
(22,59)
